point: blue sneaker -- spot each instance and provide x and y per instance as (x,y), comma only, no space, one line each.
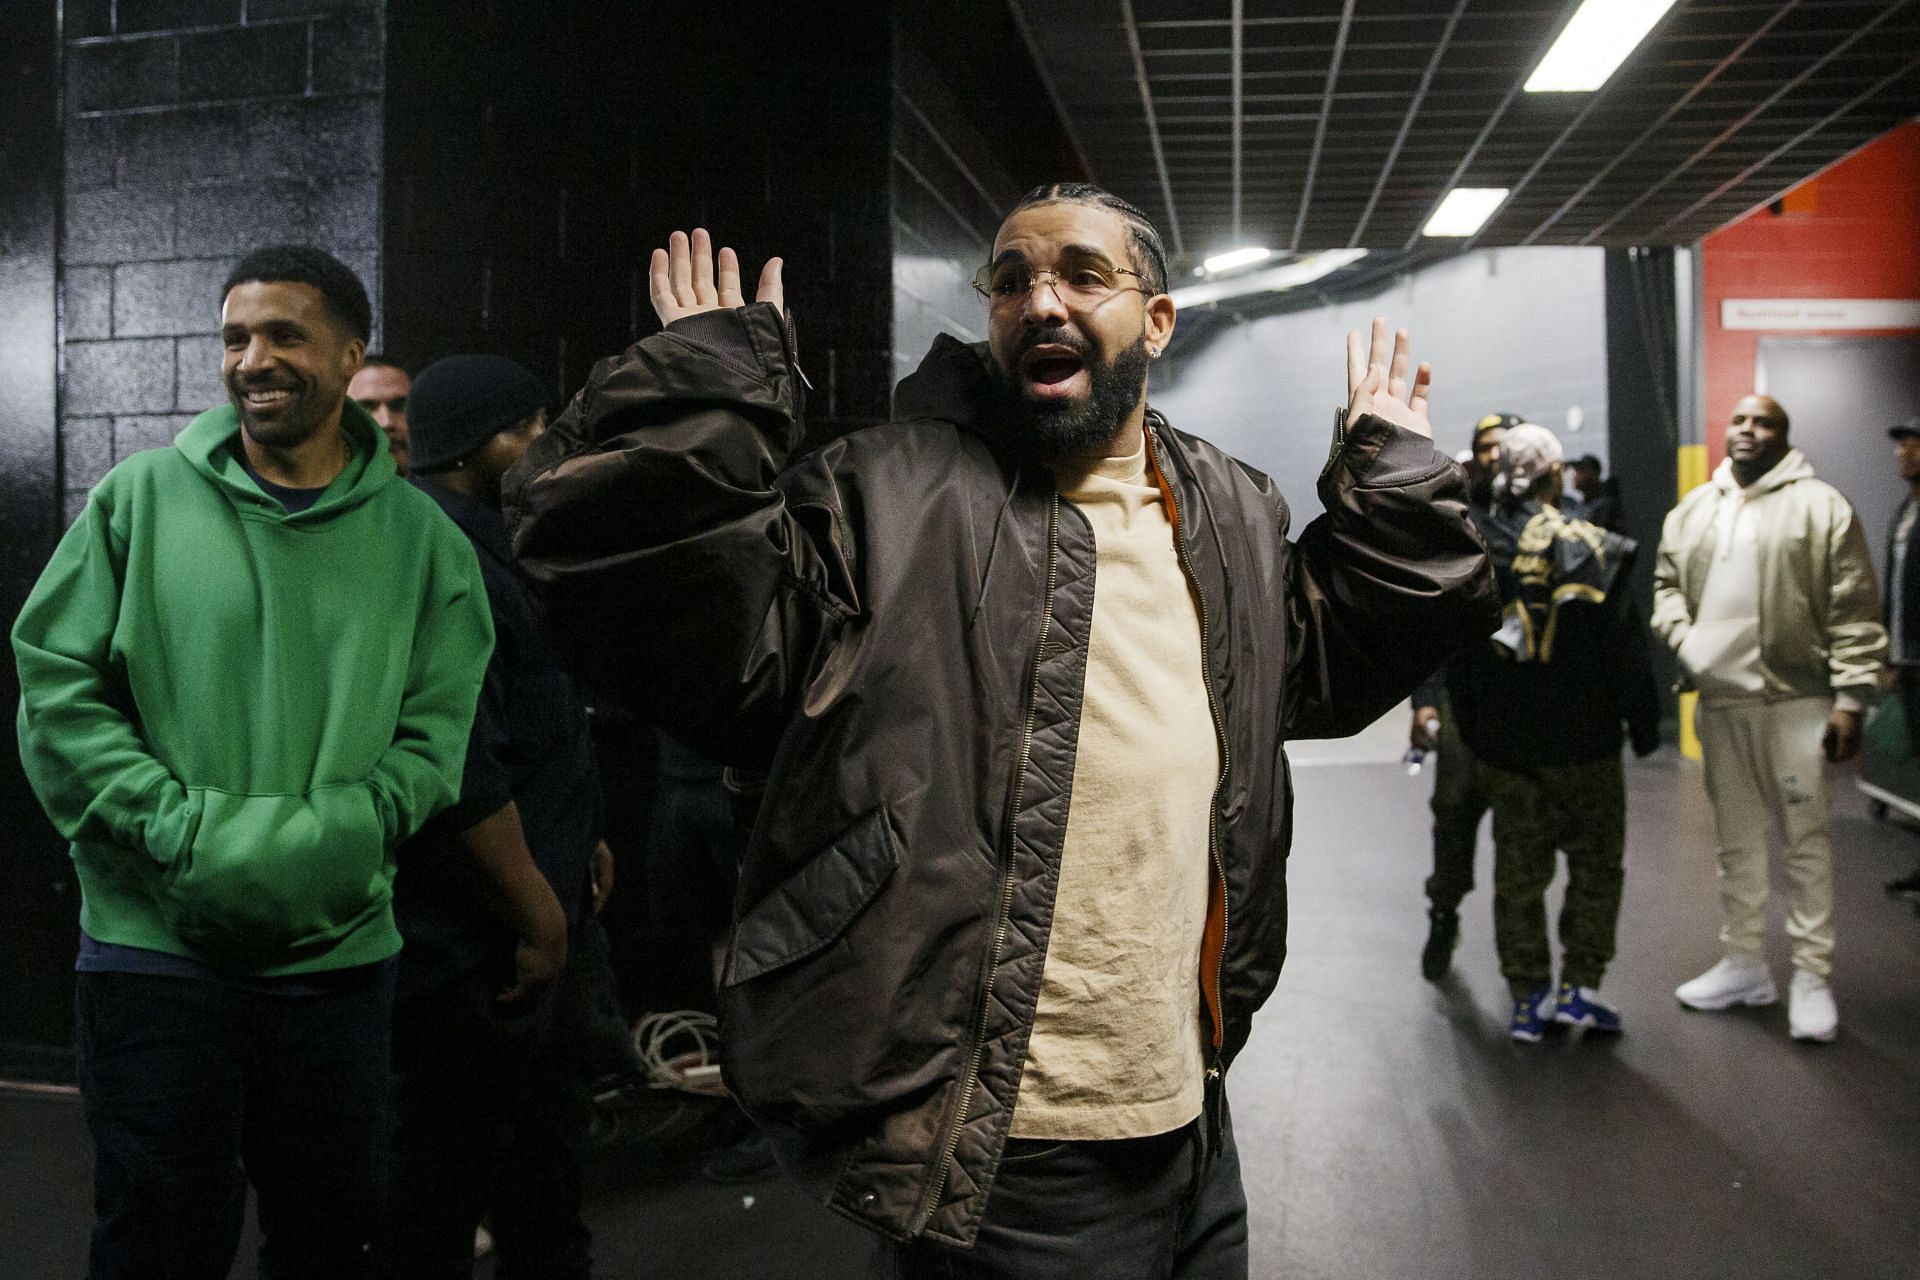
(1582,1007)
(1529,1022)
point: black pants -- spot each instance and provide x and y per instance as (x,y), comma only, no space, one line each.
(1460,800)
(1909,689)
(492,1123)
(1157,1208)
(195,1087)
(693,865)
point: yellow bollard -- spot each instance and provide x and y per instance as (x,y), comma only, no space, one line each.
(1690,472)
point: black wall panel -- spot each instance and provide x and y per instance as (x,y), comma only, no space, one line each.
(528,179)
(37,897)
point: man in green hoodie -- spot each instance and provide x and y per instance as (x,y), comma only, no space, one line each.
(247,674)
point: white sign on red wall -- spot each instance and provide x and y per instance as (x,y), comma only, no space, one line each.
(1820,313)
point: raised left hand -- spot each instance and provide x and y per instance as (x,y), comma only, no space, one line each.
(684,279)
(1377,383)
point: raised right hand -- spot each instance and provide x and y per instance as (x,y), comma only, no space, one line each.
(684,282)
(1377,380)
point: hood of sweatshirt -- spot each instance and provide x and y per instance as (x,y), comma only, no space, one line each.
(211,443)
(1793,467)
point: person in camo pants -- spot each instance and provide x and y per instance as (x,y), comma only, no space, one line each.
(1579,809)
(1541,706)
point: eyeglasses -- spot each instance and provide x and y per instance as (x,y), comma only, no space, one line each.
(1084,285)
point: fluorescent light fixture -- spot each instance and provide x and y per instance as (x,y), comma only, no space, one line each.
(1290,275)
(1464,211)
(1235,258)
(1595,43)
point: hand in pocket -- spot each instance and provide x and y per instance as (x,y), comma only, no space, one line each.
(269,878)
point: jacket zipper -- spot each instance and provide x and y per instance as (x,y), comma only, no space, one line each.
(1226,761)
(972,1079)
(793,349)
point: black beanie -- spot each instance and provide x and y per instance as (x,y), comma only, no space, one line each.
(459,403)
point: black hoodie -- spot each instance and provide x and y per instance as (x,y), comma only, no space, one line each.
(1570,662)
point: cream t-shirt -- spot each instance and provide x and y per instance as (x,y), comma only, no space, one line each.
(1117,1046)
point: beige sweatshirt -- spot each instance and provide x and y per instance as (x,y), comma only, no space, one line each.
(1117,1037)
(1722,650)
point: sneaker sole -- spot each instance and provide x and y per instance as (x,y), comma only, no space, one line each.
(1521,1037)
(1752,999)
(1809,1038)
(1590,1022)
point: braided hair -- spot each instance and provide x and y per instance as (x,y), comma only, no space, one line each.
(1148,254)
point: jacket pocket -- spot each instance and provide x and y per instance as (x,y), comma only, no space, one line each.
(814,905)
(1722,657)
(269,878)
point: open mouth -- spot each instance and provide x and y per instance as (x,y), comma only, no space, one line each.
(1053,370)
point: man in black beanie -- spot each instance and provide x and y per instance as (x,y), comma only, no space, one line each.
(489,1123)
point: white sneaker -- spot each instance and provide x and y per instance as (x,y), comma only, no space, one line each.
(1811,1013)
(1733,981)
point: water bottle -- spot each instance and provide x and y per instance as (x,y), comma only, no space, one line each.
(1417,756)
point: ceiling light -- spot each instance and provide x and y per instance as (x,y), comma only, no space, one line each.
(1601,35)
(1235,258)
(1289,275)
(1464,211)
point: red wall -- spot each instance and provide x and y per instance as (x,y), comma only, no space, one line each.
(1850,232)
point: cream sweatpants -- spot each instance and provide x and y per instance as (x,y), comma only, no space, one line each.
(1764,760)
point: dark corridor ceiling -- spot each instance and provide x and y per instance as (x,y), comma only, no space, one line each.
(1317,124)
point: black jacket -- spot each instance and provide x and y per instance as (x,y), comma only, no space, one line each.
(894,627)
(1905,594)
(1586,670)
(529,745)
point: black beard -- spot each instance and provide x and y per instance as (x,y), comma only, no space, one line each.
(291,428)
(1747,470)
(1053,430)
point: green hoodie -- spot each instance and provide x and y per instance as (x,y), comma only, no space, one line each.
(236,714)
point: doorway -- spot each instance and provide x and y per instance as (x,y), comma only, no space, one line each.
(1842,394)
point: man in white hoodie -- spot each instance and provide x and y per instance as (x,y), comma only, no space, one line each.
(1765,592)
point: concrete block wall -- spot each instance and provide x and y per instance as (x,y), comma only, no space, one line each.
(195,130)
(949,195)
(531,238)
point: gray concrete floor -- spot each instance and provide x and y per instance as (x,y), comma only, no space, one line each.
(1388,1128)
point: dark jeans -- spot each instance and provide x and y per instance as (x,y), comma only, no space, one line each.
(194,1087)
(589,999)
(493,1114)
(692,868)
(1155,1208)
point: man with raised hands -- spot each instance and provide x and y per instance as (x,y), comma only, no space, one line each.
(1019,667)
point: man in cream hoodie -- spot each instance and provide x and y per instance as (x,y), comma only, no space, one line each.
(1766,595)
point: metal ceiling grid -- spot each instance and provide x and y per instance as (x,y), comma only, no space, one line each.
(1318,124)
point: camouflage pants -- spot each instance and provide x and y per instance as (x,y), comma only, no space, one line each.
(1580,809)
(1459,802)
